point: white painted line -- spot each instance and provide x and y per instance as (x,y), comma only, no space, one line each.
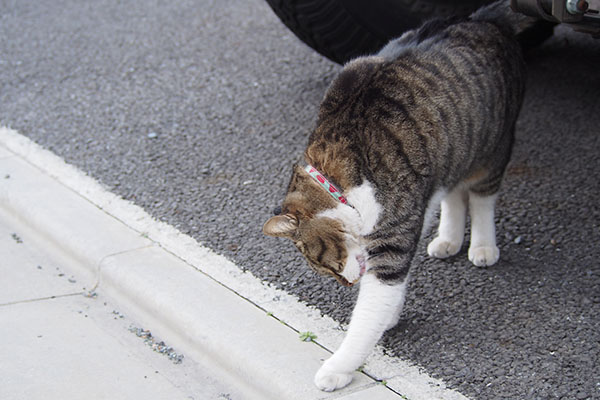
(401,376)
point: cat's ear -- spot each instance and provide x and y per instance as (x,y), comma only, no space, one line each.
(281,225)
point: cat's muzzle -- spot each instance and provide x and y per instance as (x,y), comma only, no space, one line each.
(363,268)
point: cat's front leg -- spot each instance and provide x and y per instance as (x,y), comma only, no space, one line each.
(376,310)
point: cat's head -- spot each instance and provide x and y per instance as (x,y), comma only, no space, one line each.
(322,228)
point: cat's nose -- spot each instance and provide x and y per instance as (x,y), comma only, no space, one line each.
(277,210)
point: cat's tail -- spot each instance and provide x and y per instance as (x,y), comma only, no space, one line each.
(530,31)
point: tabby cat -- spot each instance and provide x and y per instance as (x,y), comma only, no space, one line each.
(428,119)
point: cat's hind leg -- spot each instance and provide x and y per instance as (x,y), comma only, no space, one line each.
(451,230)
(482,250)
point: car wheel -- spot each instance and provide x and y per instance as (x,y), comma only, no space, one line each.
(344,29)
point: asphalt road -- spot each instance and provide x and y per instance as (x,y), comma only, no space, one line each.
(195,110)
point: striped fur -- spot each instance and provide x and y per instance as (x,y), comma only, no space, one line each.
(434,109)
(433,112)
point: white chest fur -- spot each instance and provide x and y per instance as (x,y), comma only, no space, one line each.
(378,306)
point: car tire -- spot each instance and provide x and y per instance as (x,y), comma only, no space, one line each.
(344,29)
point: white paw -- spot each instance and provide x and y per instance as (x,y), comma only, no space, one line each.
(484,255)
(328,380)
(442,248)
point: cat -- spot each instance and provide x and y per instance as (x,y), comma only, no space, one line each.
(427,121)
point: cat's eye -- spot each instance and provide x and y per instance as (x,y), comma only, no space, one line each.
(334,267)
(277,210)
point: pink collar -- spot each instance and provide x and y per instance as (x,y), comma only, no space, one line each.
(321,180)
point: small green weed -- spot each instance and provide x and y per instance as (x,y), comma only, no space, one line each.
(307,336)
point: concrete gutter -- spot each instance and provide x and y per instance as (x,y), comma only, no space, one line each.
(197,299)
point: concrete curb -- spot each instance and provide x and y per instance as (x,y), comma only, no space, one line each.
(198,300)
